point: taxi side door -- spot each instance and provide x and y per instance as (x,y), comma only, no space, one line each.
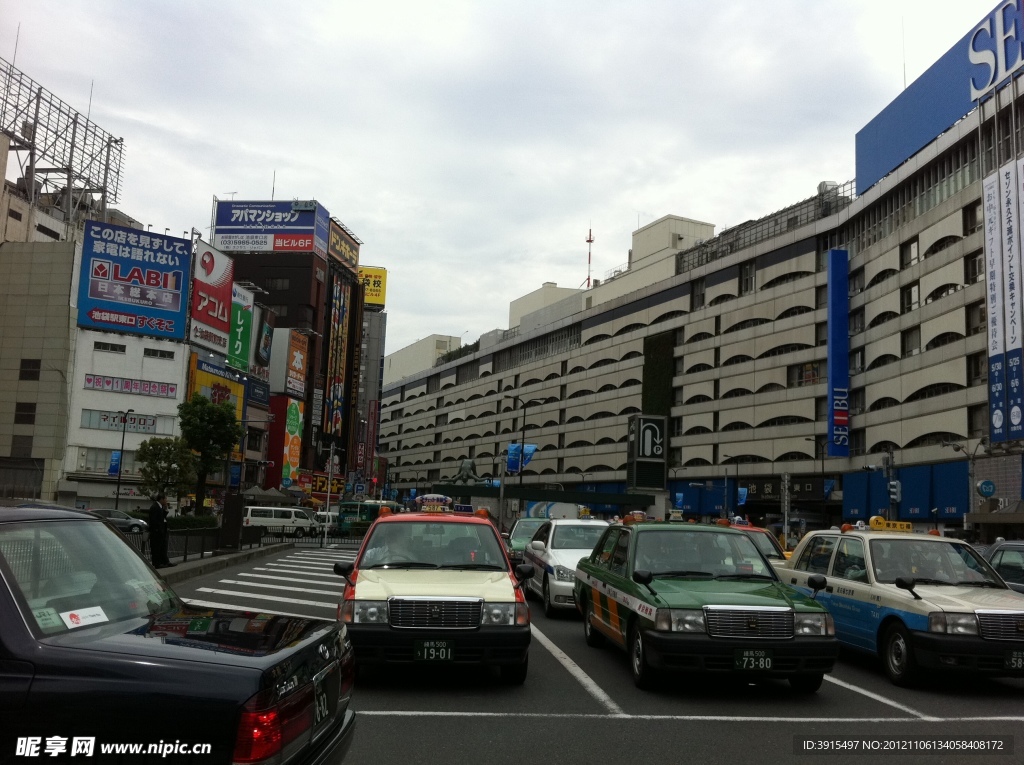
(815,558)
(597,588)
(851,602)
(538,559)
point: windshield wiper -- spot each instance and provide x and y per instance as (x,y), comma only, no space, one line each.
(746,576)
(669,574)
(925,580)
(404,564)
(984,583)
(475,566)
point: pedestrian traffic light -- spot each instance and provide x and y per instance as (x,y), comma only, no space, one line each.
(895,491)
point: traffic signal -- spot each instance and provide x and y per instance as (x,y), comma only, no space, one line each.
(895,491)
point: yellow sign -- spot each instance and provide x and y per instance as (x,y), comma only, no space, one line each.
(220,386)
(878,523)
(376,282)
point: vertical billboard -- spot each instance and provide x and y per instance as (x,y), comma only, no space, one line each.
(375,280)
(292,452)
(289,363)
(343,248)
(994,299)
(1010,233)
(240,339)
(211,298)
(838,363)
(298,226)
(262,342)
(372,428)
(133,281)
(219,386)
(337,348)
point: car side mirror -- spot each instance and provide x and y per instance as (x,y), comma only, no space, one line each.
(504,535)
(345,570)
(817,583)
(523,572)
(905,583)
(537,545)
(643,576)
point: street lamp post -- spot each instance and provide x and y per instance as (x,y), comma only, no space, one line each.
(728,499)
(120,458)
(522,446)
(971,492)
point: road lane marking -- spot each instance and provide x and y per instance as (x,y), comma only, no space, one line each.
(879,697)
(258,596)
(236,607)
(282,570)
(289,579)
(268,586)
(306,566)
(577,672)
(326,556)
(295,560)
(679,718)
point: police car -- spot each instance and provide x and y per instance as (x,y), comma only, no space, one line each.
(554,550)
(919,601)
(435,587)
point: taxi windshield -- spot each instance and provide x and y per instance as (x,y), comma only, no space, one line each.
(433,544)
(951,562)
(577,536)
(700,554)
(525,529)
(766,544)
(71,574)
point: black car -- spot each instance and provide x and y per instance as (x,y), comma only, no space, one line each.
(1007,558)
(97,654)
(122,520)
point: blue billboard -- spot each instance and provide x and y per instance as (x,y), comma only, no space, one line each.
(983,59)
(294,226)
(838,354)
(134,281)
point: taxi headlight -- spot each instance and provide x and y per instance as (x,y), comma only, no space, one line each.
(498,614)
(563,574)
(680,620)
(370,612)
(813,624)
(953,623)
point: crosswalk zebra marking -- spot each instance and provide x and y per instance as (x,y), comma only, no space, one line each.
(285,587)
(261,596)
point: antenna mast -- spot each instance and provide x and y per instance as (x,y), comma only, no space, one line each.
(590,241)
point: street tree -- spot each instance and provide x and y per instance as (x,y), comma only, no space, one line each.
(211,431)
(167,465)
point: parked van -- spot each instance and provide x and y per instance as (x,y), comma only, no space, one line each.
(293,520)
(331,519)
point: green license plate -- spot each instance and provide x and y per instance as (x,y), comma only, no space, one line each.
(1015,660)
(434,650)
(754,660)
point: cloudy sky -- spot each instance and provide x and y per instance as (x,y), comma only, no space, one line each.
(471,145)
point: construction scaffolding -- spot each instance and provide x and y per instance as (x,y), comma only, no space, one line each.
(81,159)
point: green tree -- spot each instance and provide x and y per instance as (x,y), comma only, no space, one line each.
(168,465)
(211,431)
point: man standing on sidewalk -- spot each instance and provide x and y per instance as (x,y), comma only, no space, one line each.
(158,531)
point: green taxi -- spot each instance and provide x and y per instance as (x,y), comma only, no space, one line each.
(701,599)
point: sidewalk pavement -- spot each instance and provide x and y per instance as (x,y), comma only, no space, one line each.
(194,566)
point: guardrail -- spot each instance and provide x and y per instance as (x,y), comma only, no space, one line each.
(186,542)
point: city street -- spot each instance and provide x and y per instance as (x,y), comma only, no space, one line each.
(579,704)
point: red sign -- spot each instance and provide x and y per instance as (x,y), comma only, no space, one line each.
(211,298)
(293,243)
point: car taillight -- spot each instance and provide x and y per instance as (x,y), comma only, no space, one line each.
(346,609)
(265,729)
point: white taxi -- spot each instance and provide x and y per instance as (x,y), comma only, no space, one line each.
(436,588)
(919,601)
(555,549)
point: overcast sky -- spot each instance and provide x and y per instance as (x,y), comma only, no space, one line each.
(470,145)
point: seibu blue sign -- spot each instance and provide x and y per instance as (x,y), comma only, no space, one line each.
(838,354)
(982,60)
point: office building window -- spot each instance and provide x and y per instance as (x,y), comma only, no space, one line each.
(21,447)
(974,267)
(910,341)
(157,353)
(280,310)
(908,253)
(697,294)
(109,347)
(972,218)
(747,283)
(277,284)
(30,369)
(910,297)
(24,414)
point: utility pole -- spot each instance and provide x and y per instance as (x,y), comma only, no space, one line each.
(330,477)
(120,458)
(890,473)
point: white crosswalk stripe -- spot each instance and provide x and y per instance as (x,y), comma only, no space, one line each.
(236,607)
(289,579)
(287,588)
(261,596)
(304,572)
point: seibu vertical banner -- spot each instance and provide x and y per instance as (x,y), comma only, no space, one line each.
(838,354)
(1010,231)
(994,300)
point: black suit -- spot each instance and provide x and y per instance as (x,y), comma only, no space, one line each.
(158,534)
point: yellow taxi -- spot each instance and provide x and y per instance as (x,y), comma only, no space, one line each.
(434,587)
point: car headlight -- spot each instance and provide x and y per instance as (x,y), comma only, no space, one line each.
(369,611)
(680,620)
(563,574)
(953,623)
(498,614)
(813,624)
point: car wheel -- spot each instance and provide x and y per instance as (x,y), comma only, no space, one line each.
(300,533)
(515,674)
(594,638)
(898,656)
(642,675)
(549,608)
(133,529)
(806,683)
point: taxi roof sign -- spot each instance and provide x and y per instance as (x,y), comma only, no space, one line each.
(878,523)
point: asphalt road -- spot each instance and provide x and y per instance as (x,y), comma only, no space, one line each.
(579,704)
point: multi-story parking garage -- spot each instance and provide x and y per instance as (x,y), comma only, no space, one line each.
(727,335)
